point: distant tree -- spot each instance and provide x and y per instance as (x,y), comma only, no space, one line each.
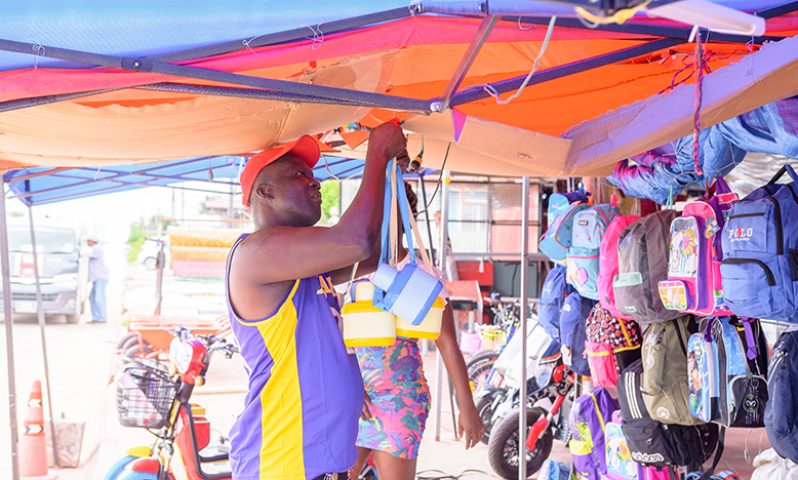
(329,198)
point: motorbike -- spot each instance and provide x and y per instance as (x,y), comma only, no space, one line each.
(157,397)
(504,381)
(547,407)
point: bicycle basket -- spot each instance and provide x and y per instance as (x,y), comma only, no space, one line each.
(144,397)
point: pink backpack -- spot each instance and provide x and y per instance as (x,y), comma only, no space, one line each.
(694,283)
(608,262)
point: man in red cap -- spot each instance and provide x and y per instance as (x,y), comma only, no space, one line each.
(305,391)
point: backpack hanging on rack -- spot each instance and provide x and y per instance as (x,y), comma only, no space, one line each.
(727,369)
(608,262)
(781,412)
(557,239)
(664,381)
(552,296)
(656,444)
(642,263)
(694,283)
(589,415)
(572,332)
(620,464)
(612,344)
(760,250)
(582,261)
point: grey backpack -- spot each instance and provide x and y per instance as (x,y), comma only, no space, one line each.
(664,382)
(642,262)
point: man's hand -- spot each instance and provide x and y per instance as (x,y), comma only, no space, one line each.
(470,425)
(386,142)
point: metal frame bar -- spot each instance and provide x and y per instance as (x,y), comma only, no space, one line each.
(783,9)
(478,93)
(483,32)
(155,66)
(288,36)
(43,338)
(524,290)
(8,317)
(647,30)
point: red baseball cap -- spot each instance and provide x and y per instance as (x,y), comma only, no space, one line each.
(304,147)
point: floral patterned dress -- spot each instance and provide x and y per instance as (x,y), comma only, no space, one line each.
(394,380)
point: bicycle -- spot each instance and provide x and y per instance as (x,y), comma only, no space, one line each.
(150,396)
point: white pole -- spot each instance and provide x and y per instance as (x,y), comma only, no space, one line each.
(8,317)
(40,316)
(444,233)
(524,315)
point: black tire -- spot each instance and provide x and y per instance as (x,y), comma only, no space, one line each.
(503,445)
(150,263)
(478,369)
(485,411)
(139,350)
(122,344)
(129,343)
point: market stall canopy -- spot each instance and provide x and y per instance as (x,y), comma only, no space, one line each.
(89,83)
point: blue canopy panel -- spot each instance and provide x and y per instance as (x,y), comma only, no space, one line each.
(38,186)
(155,27)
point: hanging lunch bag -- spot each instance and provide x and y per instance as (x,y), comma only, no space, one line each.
(760,252)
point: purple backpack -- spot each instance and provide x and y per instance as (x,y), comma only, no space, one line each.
(589,416)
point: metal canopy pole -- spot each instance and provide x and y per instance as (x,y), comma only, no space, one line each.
(468,59)
(444,232)
(524,315)
(40,317)
(148,65)
(8,317)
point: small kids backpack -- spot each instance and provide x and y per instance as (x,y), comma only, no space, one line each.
(572,332)
(557,239)
(590,414)
(612,344)
(583,255)
(552,297)
(608,262)
(760,252)
(781,412)
(642,263)
(694,283)
(664,382)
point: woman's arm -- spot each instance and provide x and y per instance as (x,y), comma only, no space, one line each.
(471,427)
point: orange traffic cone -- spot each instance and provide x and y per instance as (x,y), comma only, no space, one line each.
(32,447)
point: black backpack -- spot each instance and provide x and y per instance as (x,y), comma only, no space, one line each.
(658,444)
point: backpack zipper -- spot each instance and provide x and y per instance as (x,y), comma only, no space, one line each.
(742,261)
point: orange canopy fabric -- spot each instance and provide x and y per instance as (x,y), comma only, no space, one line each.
(413,57)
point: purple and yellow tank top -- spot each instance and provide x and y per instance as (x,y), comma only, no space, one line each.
(300,417)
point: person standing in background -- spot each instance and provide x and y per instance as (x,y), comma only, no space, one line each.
(98,276)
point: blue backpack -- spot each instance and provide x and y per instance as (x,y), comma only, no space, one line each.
(589,226)
(760,252)
(557,239)
(552,297)
(781,412)
(573,318)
